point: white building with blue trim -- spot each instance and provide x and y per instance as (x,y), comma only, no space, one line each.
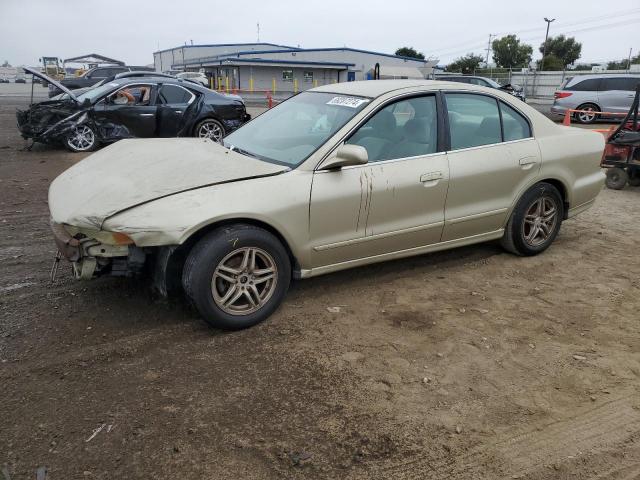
(266,66)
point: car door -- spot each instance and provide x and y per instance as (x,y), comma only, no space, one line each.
(492,156)
(130,111)
(393,203)
(172,103)
(616,93)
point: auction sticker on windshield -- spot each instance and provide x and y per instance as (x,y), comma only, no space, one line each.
(351,102)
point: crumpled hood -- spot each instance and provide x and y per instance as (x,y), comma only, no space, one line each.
(133,172)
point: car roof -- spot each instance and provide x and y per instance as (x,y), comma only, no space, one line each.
(376,88)
(604,75)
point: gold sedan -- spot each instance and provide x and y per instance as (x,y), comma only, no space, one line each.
(336,177)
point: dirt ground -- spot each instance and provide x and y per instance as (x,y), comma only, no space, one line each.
(465,364)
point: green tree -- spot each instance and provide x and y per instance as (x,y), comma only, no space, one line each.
(566,49)
(6,63)
(466,64)
(509,52)
(623,64)
(551,63)
(409,52)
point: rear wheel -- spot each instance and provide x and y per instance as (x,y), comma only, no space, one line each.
(616,178)
(535,221)
(589,114)
(237,276)
(210,128)
(81,139)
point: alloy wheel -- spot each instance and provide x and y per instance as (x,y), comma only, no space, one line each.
(210,130)
(82,138)
(588,115)
(540,221)
(244,281)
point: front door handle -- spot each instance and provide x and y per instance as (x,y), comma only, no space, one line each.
(431,176)
(146,114)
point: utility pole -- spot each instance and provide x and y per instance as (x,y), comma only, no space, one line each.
(544,49)
(629,61)
(488,50)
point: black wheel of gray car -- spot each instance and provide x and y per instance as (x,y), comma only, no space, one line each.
(589,115)
(616,178)
(81,139)
(535,221)
(237,276)
(634,178)
(210,128)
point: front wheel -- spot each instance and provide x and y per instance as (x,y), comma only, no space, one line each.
(82,139)
(211,129)
(535,221)
(237,276)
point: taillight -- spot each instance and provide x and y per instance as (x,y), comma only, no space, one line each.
(562,95)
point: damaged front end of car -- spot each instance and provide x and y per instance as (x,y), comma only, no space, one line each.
(50,122)
(95,253)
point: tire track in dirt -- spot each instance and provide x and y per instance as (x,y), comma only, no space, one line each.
(524,452)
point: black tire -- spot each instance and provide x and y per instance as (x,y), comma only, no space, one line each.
(634,178)
(210,128)
(74,142)
(616,178)
(585,118)
(520,225)
(205,259)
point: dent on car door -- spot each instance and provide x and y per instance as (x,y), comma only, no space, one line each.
(174,110)
(128,112)
(393,203)
(492,157)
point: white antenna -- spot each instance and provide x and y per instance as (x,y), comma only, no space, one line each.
(258,32)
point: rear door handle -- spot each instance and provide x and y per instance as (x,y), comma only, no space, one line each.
(146,114)
(178,111)
(528,162)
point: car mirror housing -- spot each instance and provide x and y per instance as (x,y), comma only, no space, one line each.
(345,156)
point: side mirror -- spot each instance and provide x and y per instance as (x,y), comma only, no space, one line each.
(345,156)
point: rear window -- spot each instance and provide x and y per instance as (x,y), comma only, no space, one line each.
(172,94)
(620,83)
(587,85)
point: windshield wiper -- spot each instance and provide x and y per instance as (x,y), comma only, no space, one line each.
(243,152)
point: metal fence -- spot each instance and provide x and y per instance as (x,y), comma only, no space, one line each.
(536,84)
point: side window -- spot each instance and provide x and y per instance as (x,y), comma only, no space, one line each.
(589,85)
(474,120)
(514,125)
(132,95)
(619,83)
(478,81)
(407,128)
(172,94)
(98,73)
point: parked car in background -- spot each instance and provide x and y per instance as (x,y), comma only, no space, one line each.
(333,178)
(134,74)
(514,90)
(20,80)
(198,77)
(596,93)
(93,76)
(156,106)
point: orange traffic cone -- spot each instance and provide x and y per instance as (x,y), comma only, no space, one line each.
(567,118)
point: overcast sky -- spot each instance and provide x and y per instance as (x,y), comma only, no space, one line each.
(132,30)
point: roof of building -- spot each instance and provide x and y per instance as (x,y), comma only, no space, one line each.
(283,49)
(288,47)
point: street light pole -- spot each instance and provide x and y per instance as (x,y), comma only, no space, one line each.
(544,48)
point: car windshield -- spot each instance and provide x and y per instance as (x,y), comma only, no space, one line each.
(290,132)
(493,83)
(95,93)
